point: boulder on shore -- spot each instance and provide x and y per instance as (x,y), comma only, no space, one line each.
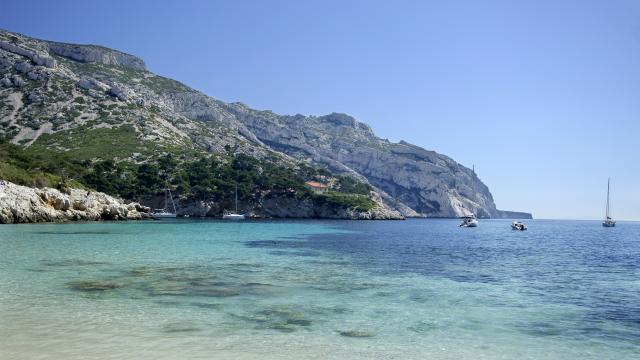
(22,204)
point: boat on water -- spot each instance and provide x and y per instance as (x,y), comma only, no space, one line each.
(608,221)
(234,215)
(469,221)
(165,212)
(517,225)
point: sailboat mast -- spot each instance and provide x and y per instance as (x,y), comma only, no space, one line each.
(473,168)
(166,203)
(236,198)
(475,195)
(173,204)
(608,186)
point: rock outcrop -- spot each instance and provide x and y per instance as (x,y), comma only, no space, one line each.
(503,214)
(21,204)
(37,57)
(96,54)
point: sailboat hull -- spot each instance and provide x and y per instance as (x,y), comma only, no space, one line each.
(163,215)
(609,224)
(233,215)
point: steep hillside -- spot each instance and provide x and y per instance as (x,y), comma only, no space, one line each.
(87,104)
(429,183)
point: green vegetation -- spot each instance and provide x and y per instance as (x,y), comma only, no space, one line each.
(101,159)
(354,201)
(350,185)
(31,169)
(162,84)
(84,143)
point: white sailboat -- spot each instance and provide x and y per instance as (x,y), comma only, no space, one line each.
(608,221)
(164,213)
(234,215)
(470,220)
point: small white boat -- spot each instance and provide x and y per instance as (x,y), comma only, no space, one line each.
(608,221)
(517,225)
(164,213)
(469,221)
(233,215)
(159,214)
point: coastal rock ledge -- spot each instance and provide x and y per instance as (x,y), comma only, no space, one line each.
(21,204)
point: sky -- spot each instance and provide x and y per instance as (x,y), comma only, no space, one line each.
(542,96)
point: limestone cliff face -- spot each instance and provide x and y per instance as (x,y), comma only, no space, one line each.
(21,204)
(96,54)
(429,183)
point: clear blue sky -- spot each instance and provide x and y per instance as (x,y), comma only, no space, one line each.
(543,96)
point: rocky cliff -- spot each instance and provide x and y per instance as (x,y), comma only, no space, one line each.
(428,183)
(95,54)
(64,97)
(21,204)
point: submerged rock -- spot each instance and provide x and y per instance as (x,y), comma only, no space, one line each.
(70,262)
(92,286)
(299,322)
(423,327)
(281,319)
(180,327)
(357,334)
(206,305)
(212,292)
(283,328)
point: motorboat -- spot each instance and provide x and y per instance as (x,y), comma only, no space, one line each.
(165,213)
(517,225)
(608,221)
(469,221)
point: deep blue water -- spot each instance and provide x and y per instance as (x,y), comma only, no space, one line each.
(577,263)
(298,289)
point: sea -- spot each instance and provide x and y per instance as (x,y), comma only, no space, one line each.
(315,289)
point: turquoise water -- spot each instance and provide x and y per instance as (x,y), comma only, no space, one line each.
(414,289)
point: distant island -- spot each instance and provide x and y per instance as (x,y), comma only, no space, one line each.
(87,119)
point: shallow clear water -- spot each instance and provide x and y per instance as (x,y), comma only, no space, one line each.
(413,289)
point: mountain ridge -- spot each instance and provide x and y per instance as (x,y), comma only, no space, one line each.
(405,177)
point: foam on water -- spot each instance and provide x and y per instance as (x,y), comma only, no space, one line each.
(316,289)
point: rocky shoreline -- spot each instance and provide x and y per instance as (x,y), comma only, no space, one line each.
(21,204)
